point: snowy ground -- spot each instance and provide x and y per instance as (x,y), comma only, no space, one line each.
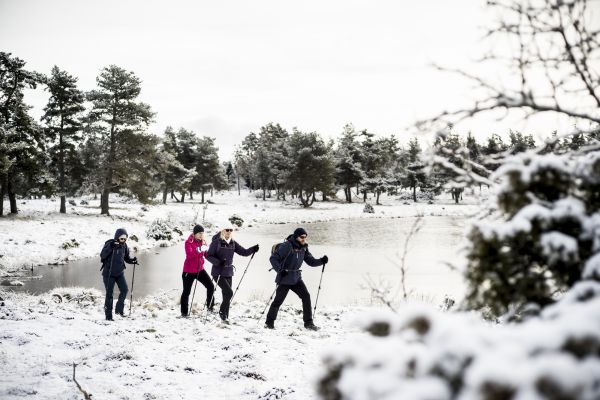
(155,355)
(36,235)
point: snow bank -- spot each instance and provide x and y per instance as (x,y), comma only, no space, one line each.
(426,354)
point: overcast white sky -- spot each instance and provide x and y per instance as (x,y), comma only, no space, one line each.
(225,68)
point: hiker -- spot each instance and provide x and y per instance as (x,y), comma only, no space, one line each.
(114,255)
(286,261)
(220,254)
(193,268)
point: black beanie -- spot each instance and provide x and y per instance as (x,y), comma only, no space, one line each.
(198,229)
(299,232)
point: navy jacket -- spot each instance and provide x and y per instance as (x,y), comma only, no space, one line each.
(220,255)
(118,254)
(289,257)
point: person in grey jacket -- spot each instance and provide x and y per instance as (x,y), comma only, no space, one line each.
(286,261)
(114,255)
(220,255)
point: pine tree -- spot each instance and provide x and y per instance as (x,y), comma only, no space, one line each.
(413,172)
(22,138)
(61,116)
(348,169)
(312,166)
(209,172)
(121,119)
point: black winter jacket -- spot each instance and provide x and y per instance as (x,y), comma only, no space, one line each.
(288,259)
(117,254)
(220,255)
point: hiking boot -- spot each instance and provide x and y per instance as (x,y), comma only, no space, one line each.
(224,318)
(311,327)
(109,318)
(120,313)
(269,325)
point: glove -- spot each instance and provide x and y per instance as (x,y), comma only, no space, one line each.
(325,259)
(134,260)
(254,249)
(204,248)
(114,244)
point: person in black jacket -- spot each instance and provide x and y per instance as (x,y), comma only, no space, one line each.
(220,254)
(114,255)
(286,261)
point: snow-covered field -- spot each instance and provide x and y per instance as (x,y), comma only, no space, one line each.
(37,234)
(155,355)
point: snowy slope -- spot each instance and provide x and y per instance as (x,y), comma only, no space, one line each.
(155,355)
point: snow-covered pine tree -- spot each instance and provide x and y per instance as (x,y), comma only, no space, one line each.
(544,233)
(22,137)
(348,168)
(63,130)
(120,118)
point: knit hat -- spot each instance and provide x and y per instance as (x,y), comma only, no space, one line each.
(198,229)
(299,232)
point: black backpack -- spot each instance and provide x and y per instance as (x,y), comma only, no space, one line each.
(276,246)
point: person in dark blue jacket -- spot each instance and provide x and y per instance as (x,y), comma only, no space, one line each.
(114,255)
(286,261)
(220,255)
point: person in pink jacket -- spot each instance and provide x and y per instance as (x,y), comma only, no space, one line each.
(193,268)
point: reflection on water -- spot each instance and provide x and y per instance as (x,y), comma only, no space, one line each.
(357,248)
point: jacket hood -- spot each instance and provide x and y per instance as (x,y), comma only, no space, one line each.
(191,237)
(119,232)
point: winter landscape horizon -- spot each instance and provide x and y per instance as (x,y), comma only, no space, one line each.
(300,201)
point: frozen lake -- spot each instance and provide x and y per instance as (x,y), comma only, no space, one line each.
(357,248)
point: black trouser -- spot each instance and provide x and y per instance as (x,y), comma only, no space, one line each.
(188,281)
(225,284)
(109,285)
(282,291)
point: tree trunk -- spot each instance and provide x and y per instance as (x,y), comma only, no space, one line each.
(191,195)
(165,192)
(377,200)
(104,199)
(183,197)
(365,196)
(173,195)
(2,187)
(61,168)
(264,194)
(12,198)
(324,197)
(238,183)
(202,195)
(415,193)
(357,191)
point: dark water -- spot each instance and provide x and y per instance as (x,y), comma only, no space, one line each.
(358,249)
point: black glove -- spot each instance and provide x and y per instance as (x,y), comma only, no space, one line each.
(325,259)
(283,272)
(254,249)
(134,260)
(114,244)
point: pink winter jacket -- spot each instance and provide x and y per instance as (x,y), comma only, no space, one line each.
(194,260)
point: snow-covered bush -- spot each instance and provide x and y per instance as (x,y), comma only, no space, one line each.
(70,244)
(368,209)
(422,353)
(545,229)
(236,220)
(162,229)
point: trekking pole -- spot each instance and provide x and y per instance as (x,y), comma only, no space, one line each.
(242,278)
(132,282)
(211,299)
(267,305)
(319,290)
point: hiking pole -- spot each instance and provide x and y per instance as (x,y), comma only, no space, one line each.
(211,299)
(267,305)
(242,278)
(132,282)
(319,290)
(195,283)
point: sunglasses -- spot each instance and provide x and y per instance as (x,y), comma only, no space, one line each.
(122,239)
(228,230)
(302,236)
